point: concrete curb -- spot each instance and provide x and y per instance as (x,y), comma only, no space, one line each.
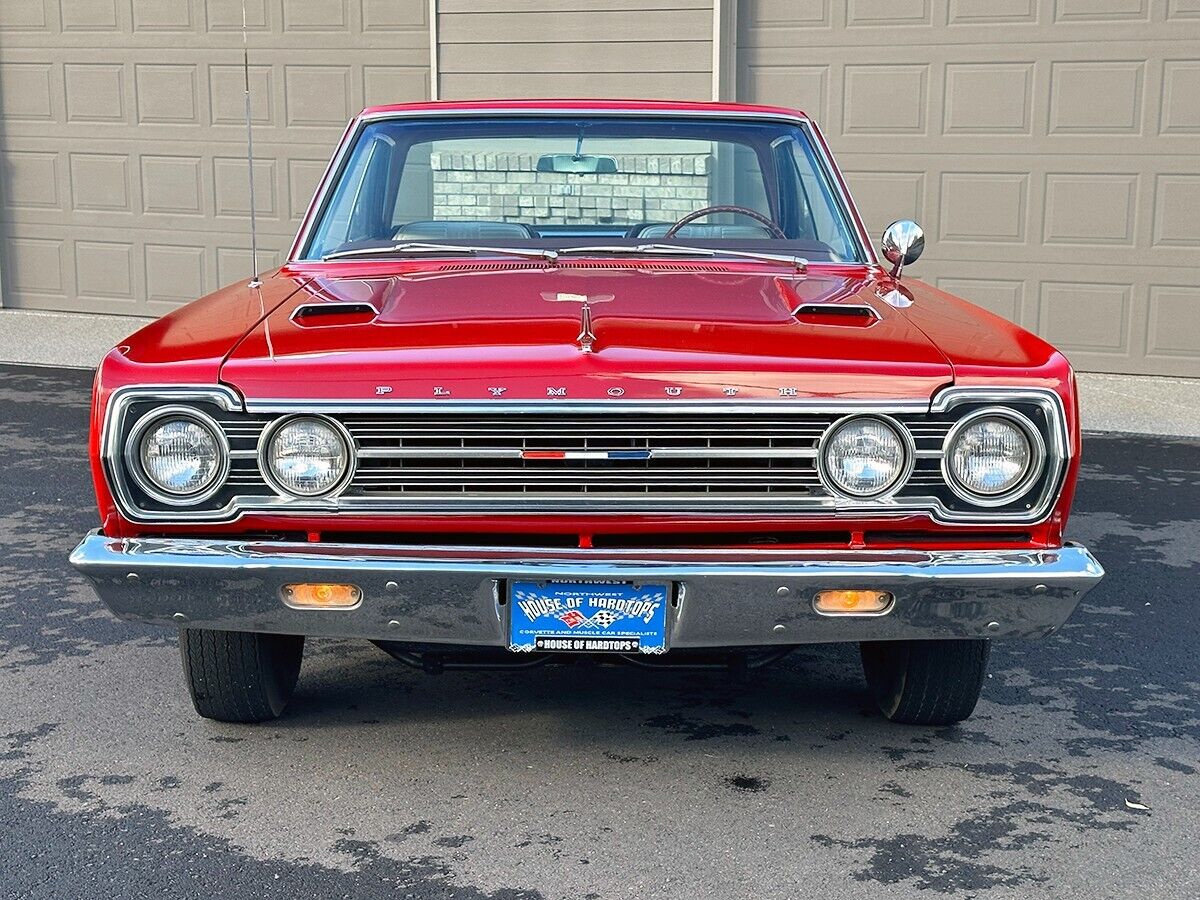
(1133,404)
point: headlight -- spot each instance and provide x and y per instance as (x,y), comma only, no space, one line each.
(180,456)
(307,457)
(990,455)
(864,457)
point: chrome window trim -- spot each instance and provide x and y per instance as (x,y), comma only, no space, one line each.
(910,458)
(1037,462)
(133,457)
(324,190)
(268,474)
(1058,455)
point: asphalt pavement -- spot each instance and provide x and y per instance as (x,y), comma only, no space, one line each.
(1077,776)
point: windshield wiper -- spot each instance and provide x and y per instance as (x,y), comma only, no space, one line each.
(420,249)
(648,249)
(798,262)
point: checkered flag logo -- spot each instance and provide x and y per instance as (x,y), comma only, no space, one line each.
(604,618)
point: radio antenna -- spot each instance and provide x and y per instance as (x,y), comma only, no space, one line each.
(254,282)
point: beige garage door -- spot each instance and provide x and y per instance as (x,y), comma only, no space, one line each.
(122,138)
(1050,149)
(575,48)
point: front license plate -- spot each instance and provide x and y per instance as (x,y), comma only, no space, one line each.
(587,617)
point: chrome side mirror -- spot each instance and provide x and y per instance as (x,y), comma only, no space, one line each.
(903,243)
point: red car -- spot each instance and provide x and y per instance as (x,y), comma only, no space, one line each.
(620,380)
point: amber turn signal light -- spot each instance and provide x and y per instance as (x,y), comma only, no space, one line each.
(852,602)
(322,596)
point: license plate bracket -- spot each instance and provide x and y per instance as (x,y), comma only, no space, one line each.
(587,616)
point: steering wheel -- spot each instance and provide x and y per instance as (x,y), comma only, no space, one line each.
(776,231)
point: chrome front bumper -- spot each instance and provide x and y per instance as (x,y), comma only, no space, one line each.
(457,595)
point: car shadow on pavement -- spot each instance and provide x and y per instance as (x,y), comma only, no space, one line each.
(812,682)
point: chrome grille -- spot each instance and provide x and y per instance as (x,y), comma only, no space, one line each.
(687,456)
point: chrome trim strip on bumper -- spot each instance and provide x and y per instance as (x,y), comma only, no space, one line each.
(455,595)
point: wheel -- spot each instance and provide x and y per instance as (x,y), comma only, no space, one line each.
(925,682)
(240,676)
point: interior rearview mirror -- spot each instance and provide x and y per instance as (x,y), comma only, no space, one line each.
(903,243)
(577,164)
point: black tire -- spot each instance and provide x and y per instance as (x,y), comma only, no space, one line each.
(925,682)
(239,676)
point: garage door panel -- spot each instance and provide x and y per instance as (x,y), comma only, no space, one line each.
(33,180)
(149,19)
(1177,211)
(989,98)
(1173,326)
(122,136)
(199,96)
(159,186)
(111,272)
(881,24)
(37,266)
(1180,111)
(28,92)
(1054,138)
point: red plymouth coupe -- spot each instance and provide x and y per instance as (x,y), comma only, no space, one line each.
(623,381)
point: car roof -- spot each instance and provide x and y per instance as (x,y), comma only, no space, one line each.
(599,106)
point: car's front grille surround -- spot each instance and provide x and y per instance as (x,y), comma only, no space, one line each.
(670,458)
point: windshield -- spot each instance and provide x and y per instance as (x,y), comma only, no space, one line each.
(565,182)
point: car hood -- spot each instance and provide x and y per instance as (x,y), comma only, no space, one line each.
(479,330)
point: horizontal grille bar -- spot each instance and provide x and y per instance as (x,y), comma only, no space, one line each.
(656,453)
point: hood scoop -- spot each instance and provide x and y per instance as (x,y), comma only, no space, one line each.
(844,314)
(335,312)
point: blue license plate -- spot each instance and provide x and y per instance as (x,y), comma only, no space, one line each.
(587,617)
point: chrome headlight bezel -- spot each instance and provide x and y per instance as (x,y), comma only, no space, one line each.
(133,455)
(1033,472)
(268,473)
(907,446)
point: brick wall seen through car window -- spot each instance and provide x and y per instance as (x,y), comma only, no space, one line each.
(507,187)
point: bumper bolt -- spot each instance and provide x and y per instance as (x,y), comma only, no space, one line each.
(1039,589)
(784,592)
(132,578)
(391,586)
(394,623)
(993,627)
(179,617)
(779,629)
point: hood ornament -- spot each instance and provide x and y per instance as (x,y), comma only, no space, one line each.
(587,337)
